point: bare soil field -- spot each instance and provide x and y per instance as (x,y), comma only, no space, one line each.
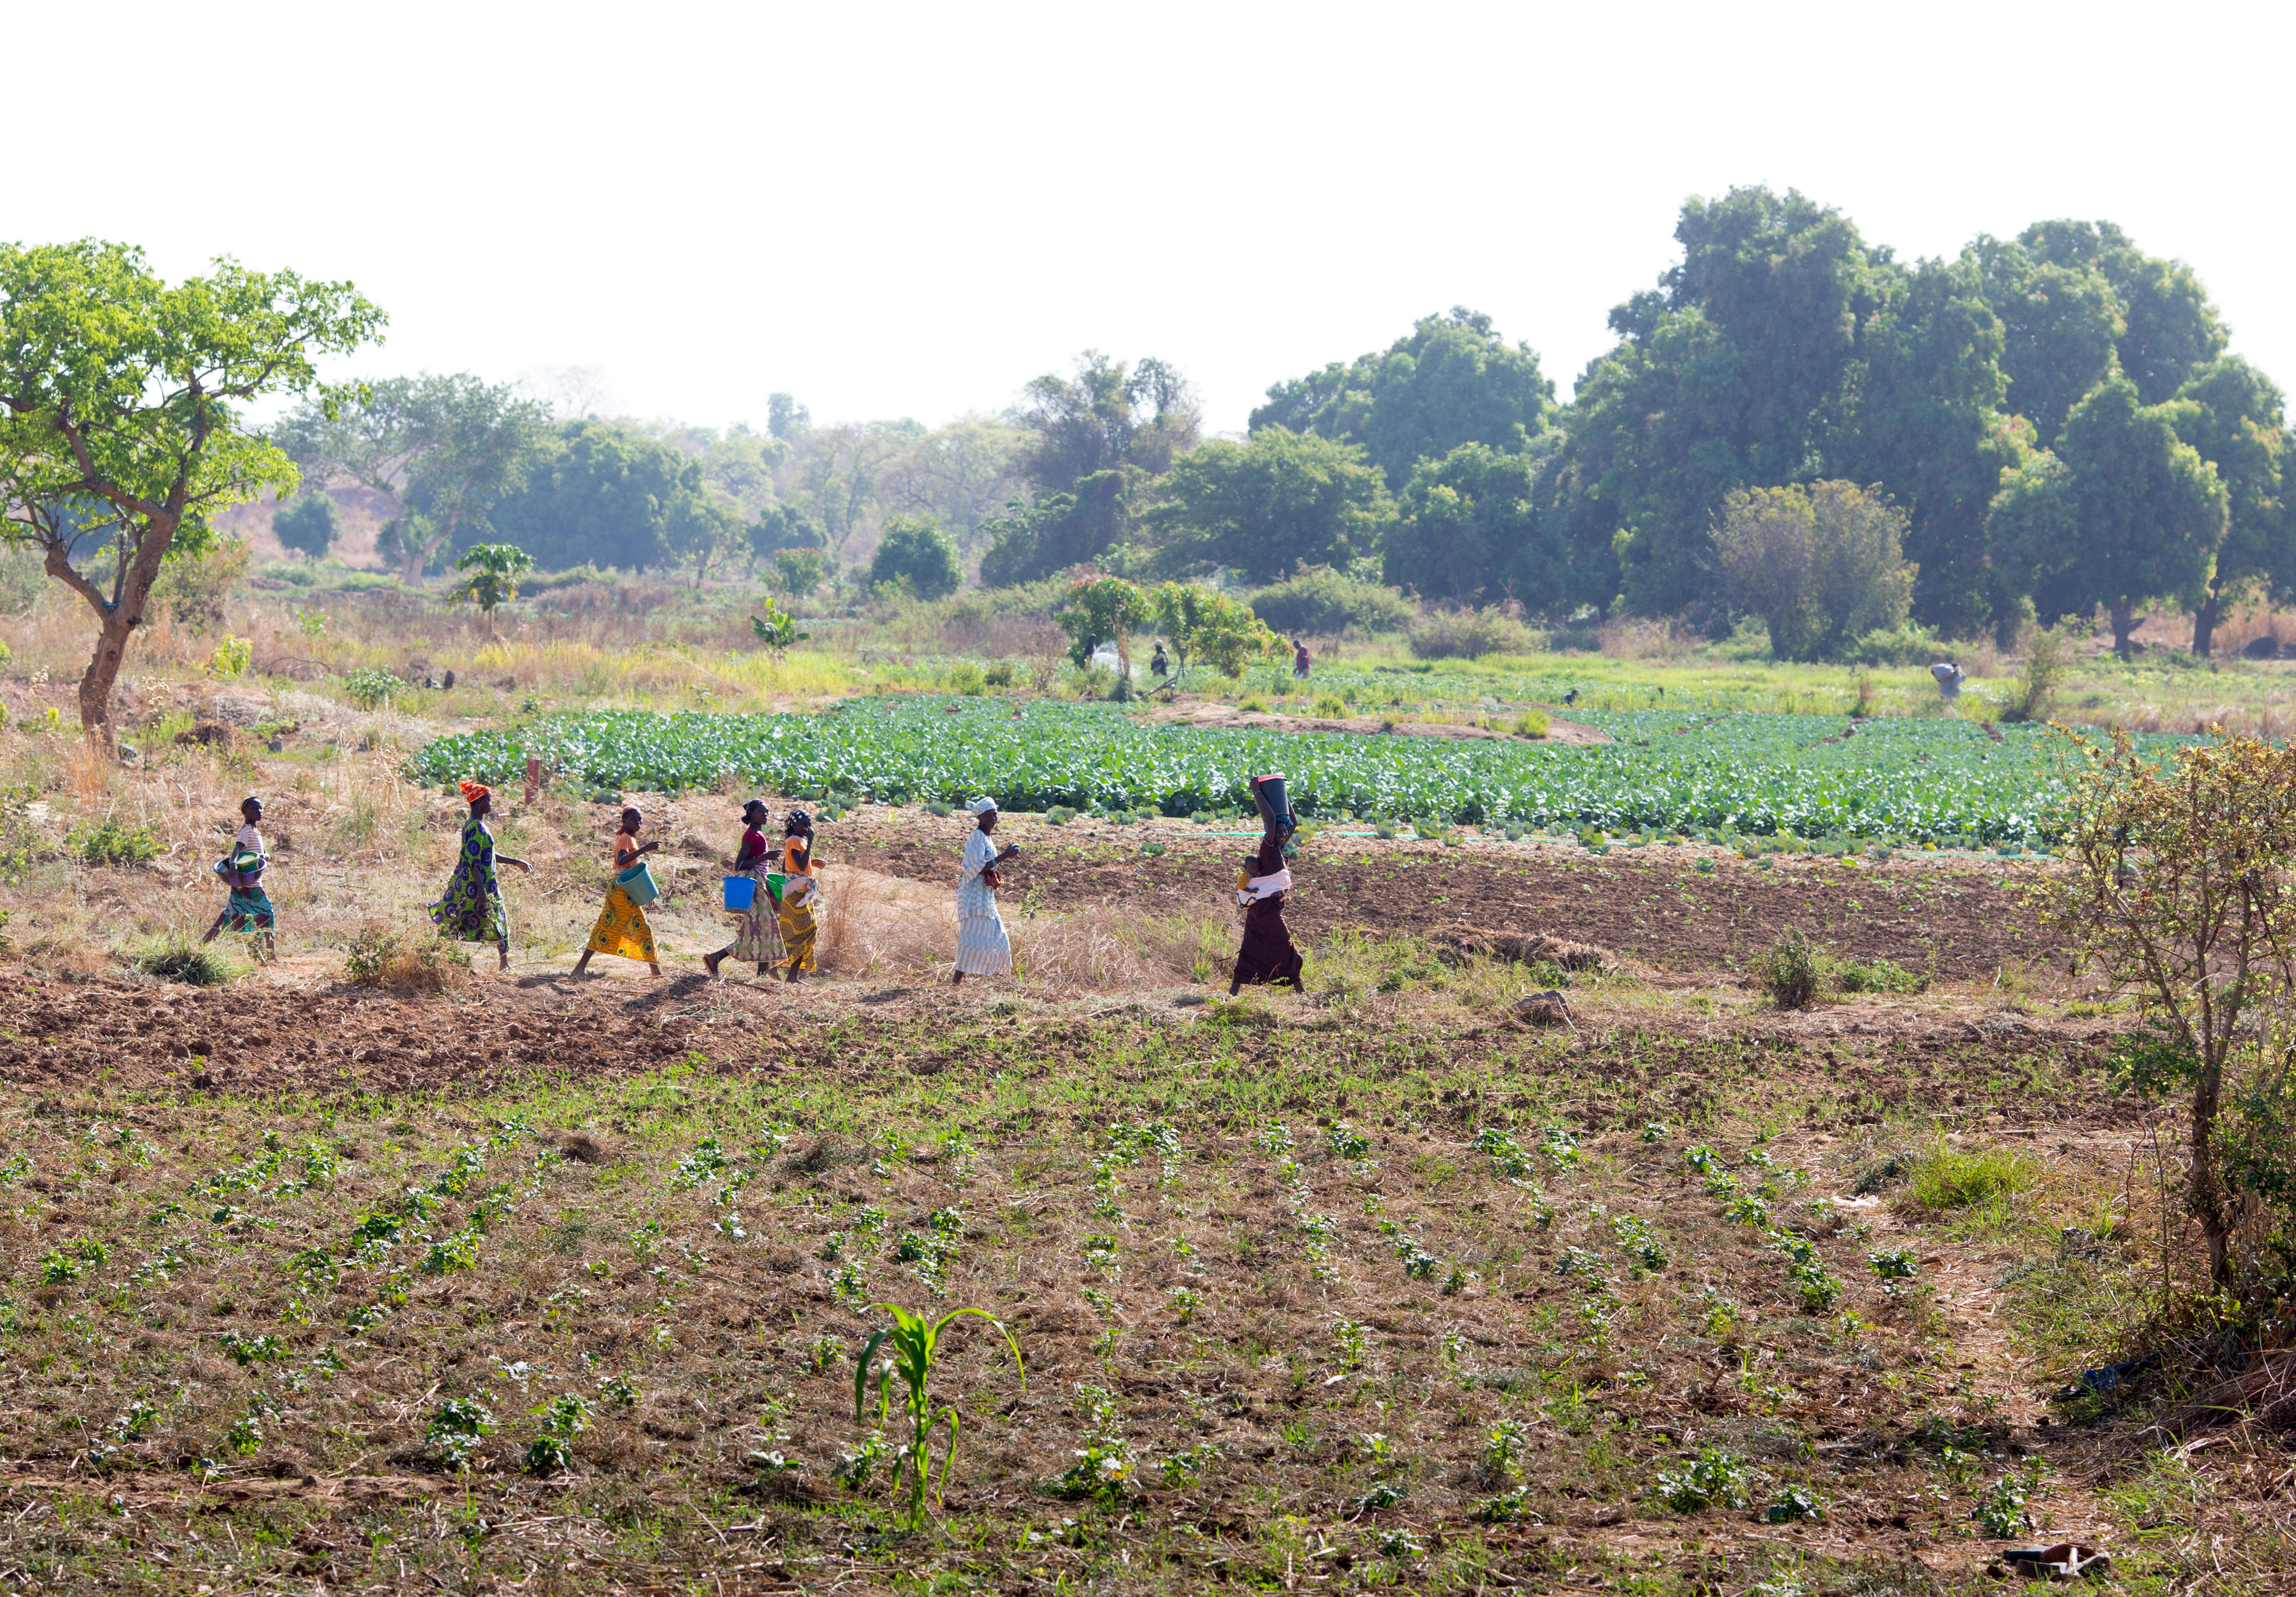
(531,1283)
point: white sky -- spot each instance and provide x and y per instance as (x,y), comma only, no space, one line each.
(891,210)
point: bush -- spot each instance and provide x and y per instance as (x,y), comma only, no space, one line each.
(111,842)
(2048,653)
(1470,634)
(1531,724)
(380,958)
(1789,970)
(369,688)
(1329,601)
(915,550)
(1912,645)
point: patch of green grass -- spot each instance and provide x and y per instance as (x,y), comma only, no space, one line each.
(113,842)
(1948,1180)
(179,959)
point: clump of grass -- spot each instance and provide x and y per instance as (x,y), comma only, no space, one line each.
(1332,708)
(1789,970)
(179,959)
(381,958)
(1878,976)
(1531,724)
(1948,1179)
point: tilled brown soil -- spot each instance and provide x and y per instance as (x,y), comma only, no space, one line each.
(1954,924)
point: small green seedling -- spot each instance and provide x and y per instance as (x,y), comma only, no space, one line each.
(916,1340)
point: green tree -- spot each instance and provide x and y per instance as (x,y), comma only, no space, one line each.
(1468,531)
(2121,514)
(1820,565)
(1928,421)
(700,528)
(441,450)
(2231,414)
(2167,329)
(1735,372)
(2058,318)
(1453,381)
(959,475)
(1105,610)
(916,550)
(777,629)
(598,494)
(306,525)
(1266,506)
(797,572)
(120,400)
(490,574)
(1206,628)
(1053,533)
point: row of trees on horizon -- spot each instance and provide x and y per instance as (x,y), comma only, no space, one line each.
(2053,421)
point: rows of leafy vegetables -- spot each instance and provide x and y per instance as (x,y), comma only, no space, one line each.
(1916,778)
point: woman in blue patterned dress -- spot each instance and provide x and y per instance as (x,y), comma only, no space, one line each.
(471,911)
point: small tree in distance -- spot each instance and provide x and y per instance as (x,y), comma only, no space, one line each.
(1207,627)
(1105,610)
(797,572)
(490,576)
(777,629)
(306,525)
(1821,565)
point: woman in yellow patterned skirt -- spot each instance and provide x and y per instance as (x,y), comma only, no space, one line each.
(621,928)
(800,896)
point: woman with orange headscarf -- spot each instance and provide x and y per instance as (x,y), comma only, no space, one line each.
(471,911)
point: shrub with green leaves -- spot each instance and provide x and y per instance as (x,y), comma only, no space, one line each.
(1790,971)
(1713,1479)
(112,841)
(457,1428)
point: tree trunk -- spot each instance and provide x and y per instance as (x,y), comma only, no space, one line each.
(116,623)
(2124,622)
(2204,1194)
(2204,622)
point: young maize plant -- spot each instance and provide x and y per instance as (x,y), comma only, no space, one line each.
(915,1344)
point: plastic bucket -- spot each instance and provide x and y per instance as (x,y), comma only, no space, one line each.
(740,892)
(774,881)
(1275,803)
(637,881)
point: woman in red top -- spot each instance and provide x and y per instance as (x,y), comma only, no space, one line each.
(755,940)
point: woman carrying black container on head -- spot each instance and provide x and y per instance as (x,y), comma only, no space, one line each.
(1268,953)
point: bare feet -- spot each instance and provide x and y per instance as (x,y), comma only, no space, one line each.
(957,981)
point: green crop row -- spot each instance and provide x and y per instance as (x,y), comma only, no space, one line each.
(1916,778)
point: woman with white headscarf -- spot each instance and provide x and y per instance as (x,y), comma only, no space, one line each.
(982,948)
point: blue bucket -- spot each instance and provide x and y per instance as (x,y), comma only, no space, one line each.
(740,892)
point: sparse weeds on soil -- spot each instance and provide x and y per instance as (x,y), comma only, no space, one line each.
(1207,1236)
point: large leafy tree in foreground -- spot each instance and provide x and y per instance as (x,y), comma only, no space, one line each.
(118,412)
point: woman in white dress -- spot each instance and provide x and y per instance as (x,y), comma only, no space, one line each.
(982,948)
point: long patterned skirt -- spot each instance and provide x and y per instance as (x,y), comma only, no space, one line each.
(248,909)
(798,931)
(983,948)
(622,929)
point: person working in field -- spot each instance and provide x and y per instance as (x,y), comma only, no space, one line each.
(756,938)
(1299,660)
(622,930)
(248,909)
(799,927)
(1268,953)
(471,911)
(982,947)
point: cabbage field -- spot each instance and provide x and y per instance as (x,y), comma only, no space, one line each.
(1915,779)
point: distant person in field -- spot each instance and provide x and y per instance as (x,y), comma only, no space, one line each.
(757,939)
(801,895)
(1268,953)
(982,947)
(248,909)
(1158,667)
(622,929)
(1949,678)
(471,911)
(1299,660)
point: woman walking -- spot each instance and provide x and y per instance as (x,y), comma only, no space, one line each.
(471,911)
(982,947)
(1268,953)
(756,939)
(248,908)
(799,894)
(622,929)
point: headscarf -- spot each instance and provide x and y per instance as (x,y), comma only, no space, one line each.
(797,823)
(472,791)
(981,807)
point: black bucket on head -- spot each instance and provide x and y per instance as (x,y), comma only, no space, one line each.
(1275,803)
